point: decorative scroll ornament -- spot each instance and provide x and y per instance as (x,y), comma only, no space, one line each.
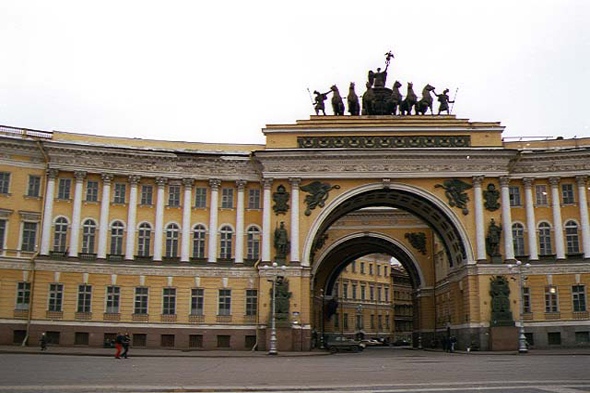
(417,240)
(318,195)
(454,191)
(500,293)
(491,195)
(281,199)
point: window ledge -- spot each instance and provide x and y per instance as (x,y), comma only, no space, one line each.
(5,194)
(168,318)
(140,317)
(173,207)
(36,197)
(118,204)
(67,200)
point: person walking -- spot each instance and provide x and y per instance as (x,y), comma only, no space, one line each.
(43,341)
(119,345)
(126,343)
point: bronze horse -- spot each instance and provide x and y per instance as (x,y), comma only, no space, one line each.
(409,102)
(395,99)
(426,101)
(353,101)
(337,104)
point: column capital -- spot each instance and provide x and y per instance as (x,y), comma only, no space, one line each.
(267,183)
(241,184)
(295,182)
(554,181)
(107,177)
(161,181)
(134,179)
(80,175)
(582,179)
(215,183)
(188,182)
(528,182)
(52,173)
(504,181)
(478,180)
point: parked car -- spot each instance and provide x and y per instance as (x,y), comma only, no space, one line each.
(370,342)
(401,342)
(340,343)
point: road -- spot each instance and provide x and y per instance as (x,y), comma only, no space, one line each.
(383,370)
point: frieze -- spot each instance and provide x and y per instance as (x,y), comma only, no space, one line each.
(382,142)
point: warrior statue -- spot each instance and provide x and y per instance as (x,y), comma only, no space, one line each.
(319,102)
(444,101)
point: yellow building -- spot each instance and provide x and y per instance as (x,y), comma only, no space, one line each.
(174,241)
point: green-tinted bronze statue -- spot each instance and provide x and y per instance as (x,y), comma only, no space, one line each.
(500,293)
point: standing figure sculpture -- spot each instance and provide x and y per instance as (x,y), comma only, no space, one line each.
(281,243)
(353,101)
(444,101)
(426,101)
(409,102)
(493,240)
(319,102)
(337,104)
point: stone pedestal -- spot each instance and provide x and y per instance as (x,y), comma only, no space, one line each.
(504,338)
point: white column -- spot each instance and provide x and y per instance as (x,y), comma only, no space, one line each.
(76,210)
(240,222)
(583,201)
(266,209)
(185,246)
(295,219)
(506,220)
(479,228)
(131,218)
(557,224)
(105,203)
(214,183)
(530,219)
(159,224)
(48,211)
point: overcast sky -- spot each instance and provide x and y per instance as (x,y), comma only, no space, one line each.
(219,71)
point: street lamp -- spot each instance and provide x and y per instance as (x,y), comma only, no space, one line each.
(522,347)
(273,326)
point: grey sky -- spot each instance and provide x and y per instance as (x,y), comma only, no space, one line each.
(219,71)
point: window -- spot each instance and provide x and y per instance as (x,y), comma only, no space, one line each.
(117,238)
(174,195)
(253,199)
(197,301)
(372,321)
(387,321)
(4,182)
(360,322)
(223,341)
(380,321)
(169,301)
(514,195)
(385,271)
(141,300)
(336,290)
(144,238)
(345,320)
(551,299)
(571,237)
(29,236)
(92,191)
(582,337)
(386,290)
(518,238)
(2,234)
(253,240)
(251,301)
(224,302)
(227,198)
(526,299)
(200,197)
(34,188)
(541,195)
(354,291)
(23,295)
(81,338)
(362,268)
(119,195)
(345,291)
(64,188)
(378,270)
(371,269)
(172,232)
(372,293)
(353,267)
(167,340)
(199,241)
(226,242)
(579,298)
(55,297)
(84,297)
(554,338)
(379,296)
(147,193)
(113,297)
(88,236)
(60,234)
(545,239)
(336,320)
(195,341)
(567,194)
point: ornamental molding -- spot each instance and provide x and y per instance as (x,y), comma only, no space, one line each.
(534,269)
(383,142)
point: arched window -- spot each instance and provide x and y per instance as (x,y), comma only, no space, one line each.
(253,243)
(518,238)
(545,239)
(144,238)
(199,241)
(117,229)
(571,237)
(60,234)
(88,236)
(172,241)
(226,242)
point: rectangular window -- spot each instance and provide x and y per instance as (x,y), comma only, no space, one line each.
(223,341)
(167,340)
(362,268)
(554,338)
(227,198)
(4,182)
(55,297)
(249,342)
(579,298)
(385,271)
(336,320)
(378,270)
(92,191)
(64,188)
(253,199)
(551,299)
(34,188)
(119,194)
(379,295)
(224,302)
(582,337)
(141,301)
(360,323)
(345,320)
(84,297)
(541,195)
(113,297)
(29,236)
(371,269)
(353,266)
(174,195)
(363,292)
(251,301)
(197,301)
(372,293)
(514,195)
(336,290)
(81,338)
(2,234)
(169,301)
(147,193)
(23,295)
(372,321)
(380,322)
(195,341)
(200,197)
(567,194)
(526,299)
(354,291)
(345,291)
(139,340)
(386,290)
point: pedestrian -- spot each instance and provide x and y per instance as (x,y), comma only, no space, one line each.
(126,342)
(43,341)
(119,345)
(453,342)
